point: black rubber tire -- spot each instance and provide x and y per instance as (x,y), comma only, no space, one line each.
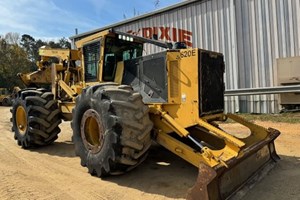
(43,118)
(126,128)
(5,102)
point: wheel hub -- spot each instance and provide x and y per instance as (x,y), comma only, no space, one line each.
(21,119)
(92,131)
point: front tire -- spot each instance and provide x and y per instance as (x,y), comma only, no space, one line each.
(111,129)
(35,118)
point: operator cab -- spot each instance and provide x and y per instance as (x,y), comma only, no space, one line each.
(117,49)
(105,53)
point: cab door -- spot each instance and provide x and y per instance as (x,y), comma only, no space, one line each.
(92,55)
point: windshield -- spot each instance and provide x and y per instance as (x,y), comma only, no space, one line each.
(117,50)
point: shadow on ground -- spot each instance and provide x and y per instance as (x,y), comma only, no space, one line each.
(165,174)
(161,173)
(281,183)
(62,149)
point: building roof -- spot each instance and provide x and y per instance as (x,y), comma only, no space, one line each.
(181,4)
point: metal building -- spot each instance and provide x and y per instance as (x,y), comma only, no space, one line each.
(250,33)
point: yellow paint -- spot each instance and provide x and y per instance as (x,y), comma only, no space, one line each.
(119,72)
(221,134)
(79,44)
(21,119)
(67,89)
(185,109)
(182,150)
(66,107)
(91,131)
(182,112)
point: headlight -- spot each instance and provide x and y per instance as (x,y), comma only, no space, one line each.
(124,37)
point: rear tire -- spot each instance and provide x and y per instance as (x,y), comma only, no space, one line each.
(5,102)
(35,118)
(111,129)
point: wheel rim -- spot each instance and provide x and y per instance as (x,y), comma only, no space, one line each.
(21,120)
(92,131)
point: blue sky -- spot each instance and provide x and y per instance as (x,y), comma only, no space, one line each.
(48,19)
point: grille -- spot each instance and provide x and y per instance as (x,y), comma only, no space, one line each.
(174,79)
(211,83)
(153,69)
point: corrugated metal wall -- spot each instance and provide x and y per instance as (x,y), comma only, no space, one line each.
(250,33)
(268,30)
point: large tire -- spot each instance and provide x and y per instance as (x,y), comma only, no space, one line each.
(35,118)
(5,102)
(111,129)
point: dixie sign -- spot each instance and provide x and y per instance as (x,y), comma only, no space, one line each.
(165,33)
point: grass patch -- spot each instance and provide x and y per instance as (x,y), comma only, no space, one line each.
(283,117)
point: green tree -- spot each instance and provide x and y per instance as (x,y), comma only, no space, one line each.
(12,38)
(64,43)
(20,56)
(29,45)
(13,59)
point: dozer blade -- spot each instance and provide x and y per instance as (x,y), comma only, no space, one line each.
(239,176)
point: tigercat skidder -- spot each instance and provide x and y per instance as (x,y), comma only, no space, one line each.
(119,100)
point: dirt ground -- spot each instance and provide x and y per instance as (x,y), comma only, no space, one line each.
(53,172)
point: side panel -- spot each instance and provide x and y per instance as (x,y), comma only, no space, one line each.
(148,76)
(183,107)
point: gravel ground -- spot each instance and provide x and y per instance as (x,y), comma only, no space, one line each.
(54,172)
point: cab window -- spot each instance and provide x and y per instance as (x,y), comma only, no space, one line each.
(91,53)
(117,50)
